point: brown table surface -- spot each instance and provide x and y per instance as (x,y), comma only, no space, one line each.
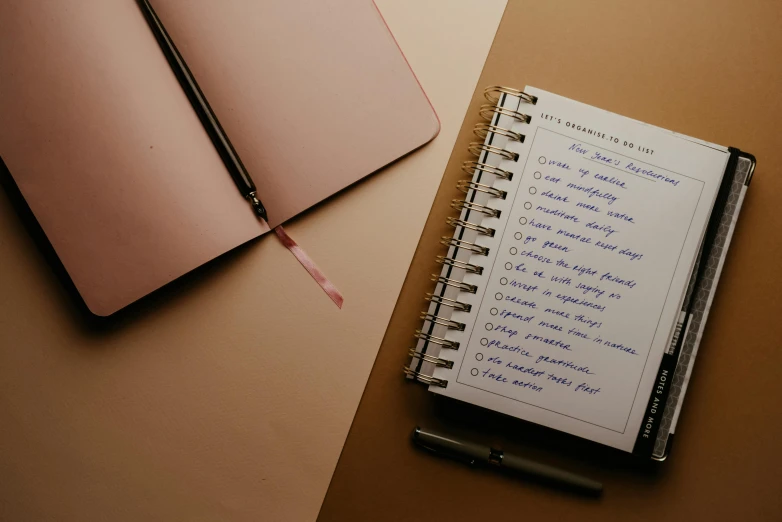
(707,69)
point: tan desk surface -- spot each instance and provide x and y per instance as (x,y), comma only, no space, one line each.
(710,69)
(228,396)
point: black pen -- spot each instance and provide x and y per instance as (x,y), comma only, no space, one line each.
(223,145)
(472,453)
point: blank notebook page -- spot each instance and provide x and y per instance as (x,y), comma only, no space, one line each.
(313,95)
(108,152)
(585,276)
(113,161)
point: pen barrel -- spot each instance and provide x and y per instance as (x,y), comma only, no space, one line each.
(449,446)
(551,474)
(201,106)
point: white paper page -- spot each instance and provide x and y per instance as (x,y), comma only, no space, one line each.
(587,271)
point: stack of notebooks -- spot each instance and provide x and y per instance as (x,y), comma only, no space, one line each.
(583,261)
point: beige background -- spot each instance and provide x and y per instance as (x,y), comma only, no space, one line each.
(709,69)
(228,396)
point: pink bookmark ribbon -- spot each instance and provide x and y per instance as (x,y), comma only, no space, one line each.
(310,266)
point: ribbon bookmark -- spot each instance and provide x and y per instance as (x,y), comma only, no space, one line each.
(310,266)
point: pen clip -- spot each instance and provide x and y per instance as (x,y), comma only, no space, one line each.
(444,453)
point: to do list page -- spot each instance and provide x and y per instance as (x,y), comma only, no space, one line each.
(585,276)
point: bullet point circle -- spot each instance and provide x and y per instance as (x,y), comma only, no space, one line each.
(528,205)
(542,160)
(518,235)
(494,311)
(474,372)
(498,296)
(537,175)
(479,356)
(484,341)
(489,326)
(522,221)
(508,266)
(532,190)
(514,251)
(503,280)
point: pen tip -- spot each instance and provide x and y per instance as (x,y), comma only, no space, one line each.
(258,207)
(262,214)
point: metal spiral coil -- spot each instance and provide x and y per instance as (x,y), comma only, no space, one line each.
(494,92)
(466,186)
(484,231)
(426,379)
(460,204)
(476,148)
(487,112)
(473,269)
(453,303)
(471,167)
(436,319)
(445,343)
(461,285)
(483,129)
(442,363)
(466,245)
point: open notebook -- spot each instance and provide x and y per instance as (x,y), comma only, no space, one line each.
(581,269)
(114,163)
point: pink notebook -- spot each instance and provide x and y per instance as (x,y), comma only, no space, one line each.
(114,163)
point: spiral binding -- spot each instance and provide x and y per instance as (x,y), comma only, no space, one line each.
(486,131)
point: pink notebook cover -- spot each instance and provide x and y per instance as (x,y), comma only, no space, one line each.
(114,163)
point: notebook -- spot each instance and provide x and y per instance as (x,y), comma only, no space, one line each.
(582,264)
(108,153)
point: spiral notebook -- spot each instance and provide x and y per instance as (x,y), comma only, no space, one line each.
(578,279)
(108,153)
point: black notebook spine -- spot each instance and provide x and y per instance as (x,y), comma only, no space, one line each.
(648,442)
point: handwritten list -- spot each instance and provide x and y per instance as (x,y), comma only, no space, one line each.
(575,290)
